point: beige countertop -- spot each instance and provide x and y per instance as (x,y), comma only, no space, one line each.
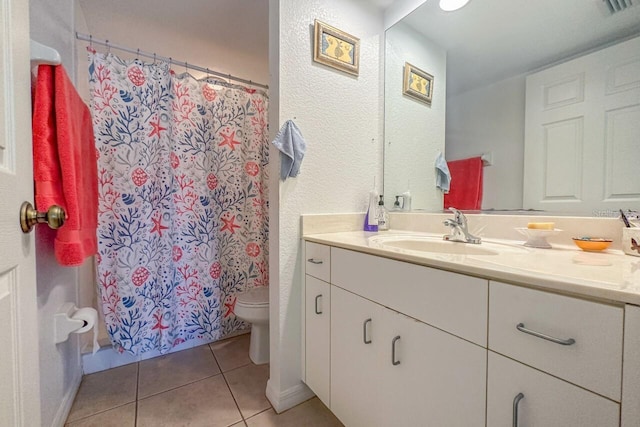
(609,275)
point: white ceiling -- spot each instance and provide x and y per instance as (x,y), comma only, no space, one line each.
(489,40)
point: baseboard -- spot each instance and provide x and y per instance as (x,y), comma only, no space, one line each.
(107,357)
(287,399)
(67,402)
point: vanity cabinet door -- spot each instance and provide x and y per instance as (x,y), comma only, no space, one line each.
(429,377)
(356,345)
(317,336)
(546,401)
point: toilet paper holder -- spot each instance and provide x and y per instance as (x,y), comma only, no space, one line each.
(64,324)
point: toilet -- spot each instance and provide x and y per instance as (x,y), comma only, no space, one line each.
(253,307)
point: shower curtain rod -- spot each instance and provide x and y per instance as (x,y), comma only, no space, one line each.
(90,39)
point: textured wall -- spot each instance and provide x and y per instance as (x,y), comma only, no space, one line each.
(491,119)
(414,131)
(340,118)
(229,36)
(60,366)
(52,25)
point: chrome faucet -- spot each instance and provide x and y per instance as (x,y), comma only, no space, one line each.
(459,229)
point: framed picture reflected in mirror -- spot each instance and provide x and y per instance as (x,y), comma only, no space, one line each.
(417,83)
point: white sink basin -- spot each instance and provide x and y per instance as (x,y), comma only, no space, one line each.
(435,244)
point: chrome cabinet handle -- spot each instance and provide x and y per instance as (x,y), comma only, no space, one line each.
(394,362)
(521,328)
(317,297)
(315,261)
(364,331)
(516,402)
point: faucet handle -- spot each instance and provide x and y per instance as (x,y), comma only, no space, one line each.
(458,216)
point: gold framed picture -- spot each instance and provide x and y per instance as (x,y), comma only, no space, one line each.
(417,84)
(336,48)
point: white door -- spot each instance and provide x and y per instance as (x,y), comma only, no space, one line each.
(581,133)
(19,370)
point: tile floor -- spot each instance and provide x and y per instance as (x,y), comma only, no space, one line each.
(211,385)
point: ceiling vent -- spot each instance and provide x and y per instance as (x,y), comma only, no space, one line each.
(616,6)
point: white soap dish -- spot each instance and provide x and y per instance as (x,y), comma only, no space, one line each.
(537,238)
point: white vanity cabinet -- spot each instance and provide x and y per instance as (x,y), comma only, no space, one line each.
(317,309)
(387,368)
(410,345)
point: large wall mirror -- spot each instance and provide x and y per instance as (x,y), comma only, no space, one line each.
(535,84)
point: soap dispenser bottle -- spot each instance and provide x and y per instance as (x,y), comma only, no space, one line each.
(371,218)
(406,198)
(383,215)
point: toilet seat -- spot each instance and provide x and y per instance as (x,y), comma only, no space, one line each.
(256,297)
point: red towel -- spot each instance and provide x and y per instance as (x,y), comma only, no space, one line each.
(64,163)
(466,184)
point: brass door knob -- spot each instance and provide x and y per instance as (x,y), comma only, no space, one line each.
(29,217)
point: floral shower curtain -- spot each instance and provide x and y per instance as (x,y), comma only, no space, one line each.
(183,209)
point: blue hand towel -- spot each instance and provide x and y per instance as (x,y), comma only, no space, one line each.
(443,176)
(292,147)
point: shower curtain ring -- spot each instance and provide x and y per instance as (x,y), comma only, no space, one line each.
(186,67)
(90,40)
(154,58)
(137,54)
(108,46)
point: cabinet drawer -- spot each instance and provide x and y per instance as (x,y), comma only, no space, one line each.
(593,360)
(318,260)
(453,302)
(546,401)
